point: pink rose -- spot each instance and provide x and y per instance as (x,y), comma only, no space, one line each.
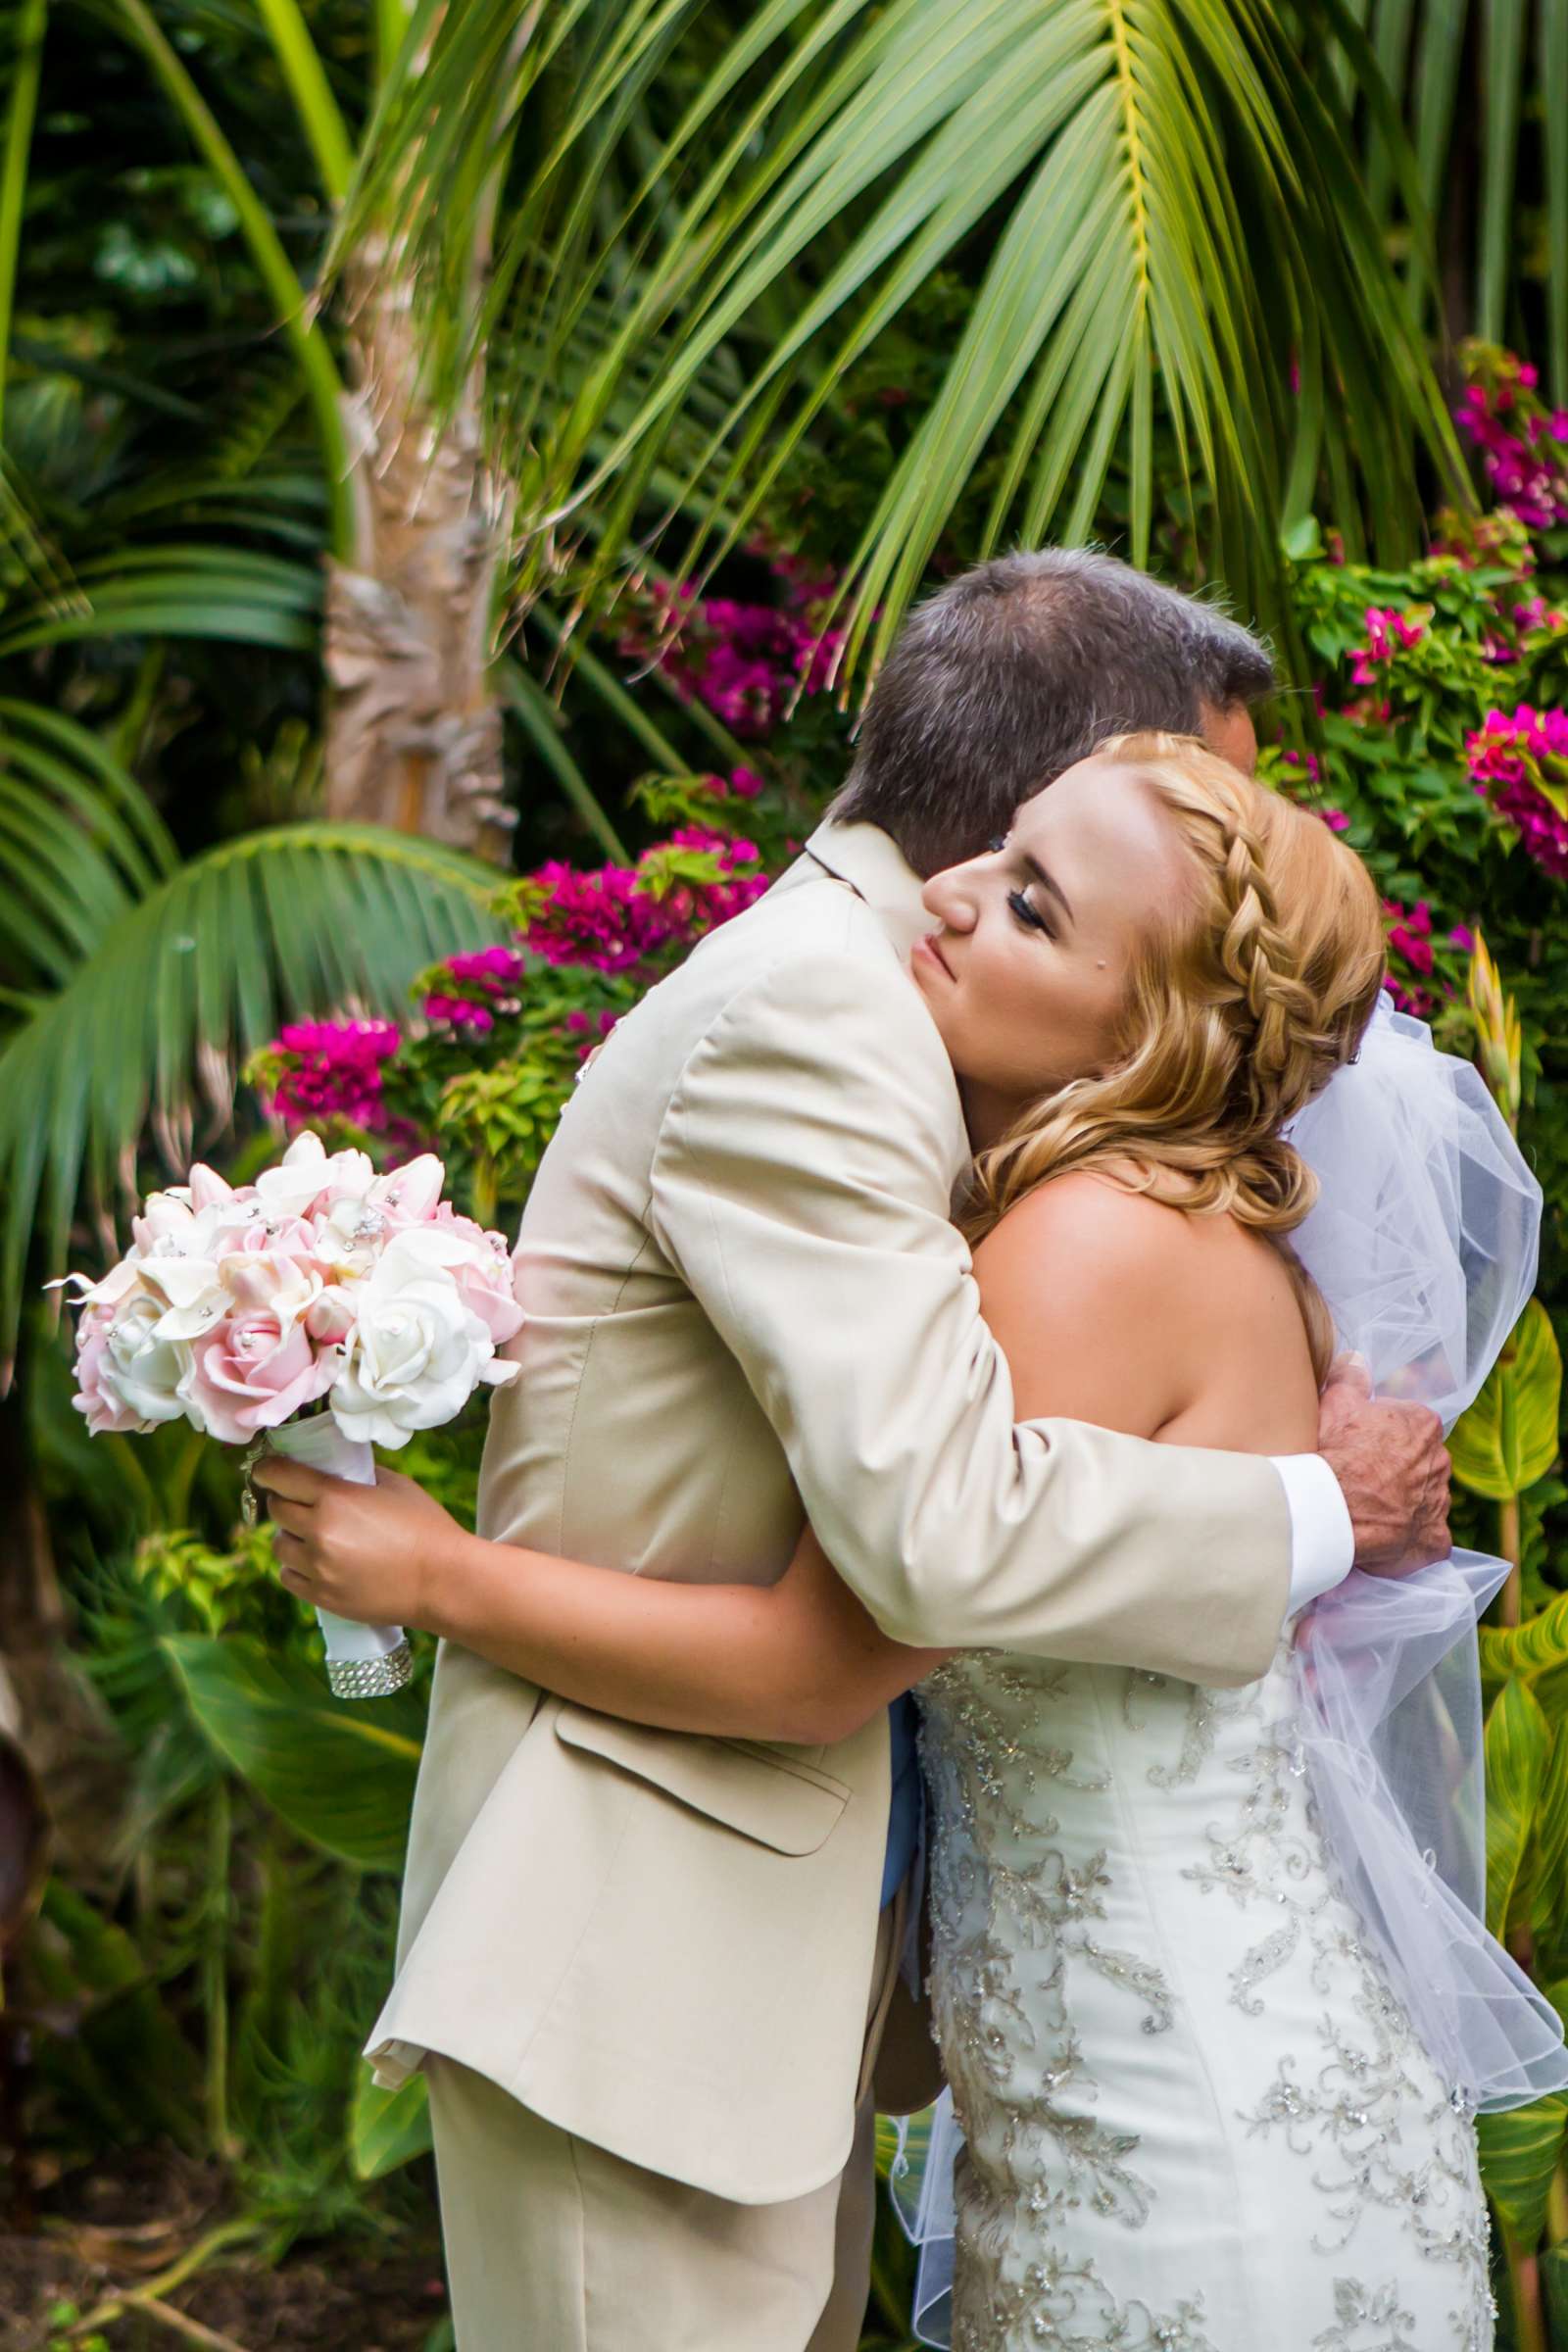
(291,1236)
(483,1275)
(485,1288)
(408,1196)
(246,1377)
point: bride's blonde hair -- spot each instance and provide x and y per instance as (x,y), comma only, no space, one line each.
(1239,1008)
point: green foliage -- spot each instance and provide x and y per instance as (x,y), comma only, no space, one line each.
(387,2128)
(1149,206)
(937,343)
(1518,1744)
(1535,1652)
(1521,2152)
(341,1775)
(1510,1437)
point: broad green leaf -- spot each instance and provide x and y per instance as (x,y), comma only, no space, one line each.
(1508,1439)
(1519,2154)
(1555,2292)
(387,2128)
(1537,1652)
(1556,1992)
(1518,1741)
(335,1769)
(1549,1887)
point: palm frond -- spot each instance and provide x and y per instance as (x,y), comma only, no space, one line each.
(23,70)
(80,844)
(181,985)
(1172,214)
(179,591)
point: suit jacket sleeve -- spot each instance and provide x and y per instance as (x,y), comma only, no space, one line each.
(800,1184)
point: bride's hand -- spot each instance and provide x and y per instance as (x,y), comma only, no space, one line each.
(377,1553)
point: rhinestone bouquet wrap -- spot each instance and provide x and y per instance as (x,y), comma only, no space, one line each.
(319,1310)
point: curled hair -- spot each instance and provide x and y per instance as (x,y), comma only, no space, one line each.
(1242,1001)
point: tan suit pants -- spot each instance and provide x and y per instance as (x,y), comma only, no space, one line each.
(555,2245)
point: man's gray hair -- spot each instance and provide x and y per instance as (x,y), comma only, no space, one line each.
(1016,669)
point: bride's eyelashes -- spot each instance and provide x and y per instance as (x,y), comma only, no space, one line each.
(1028,913)
(1024,907)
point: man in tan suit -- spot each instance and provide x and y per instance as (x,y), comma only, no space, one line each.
(645,1973)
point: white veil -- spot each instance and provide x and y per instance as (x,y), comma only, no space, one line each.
(1422,1243)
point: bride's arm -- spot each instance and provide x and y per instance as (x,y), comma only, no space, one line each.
(1072,1282)
(799,1660)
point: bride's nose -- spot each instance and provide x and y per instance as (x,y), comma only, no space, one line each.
(950,896)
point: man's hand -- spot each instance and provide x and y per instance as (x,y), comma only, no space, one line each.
(1392,1469)
(377,1554)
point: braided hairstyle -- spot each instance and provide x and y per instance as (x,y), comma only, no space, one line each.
(1246,998)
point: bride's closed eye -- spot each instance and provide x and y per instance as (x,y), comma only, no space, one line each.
(1028,913)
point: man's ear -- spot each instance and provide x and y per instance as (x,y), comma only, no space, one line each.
(1228,732)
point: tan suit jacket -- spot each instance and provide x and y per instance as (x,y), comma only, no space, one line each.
(745,1303)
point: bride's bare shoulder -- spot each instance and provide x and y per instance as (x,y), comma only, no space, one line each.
(1107,1229)
(1088,1289)
(1115,1308)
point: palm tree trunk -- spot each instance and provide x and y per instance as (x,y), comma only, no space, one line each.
(413,731)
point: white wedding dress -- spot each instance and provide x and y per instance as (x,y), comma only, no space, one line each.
(1197,2117)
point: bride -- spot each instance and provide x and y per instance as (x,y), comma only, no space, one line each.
(1196,2111)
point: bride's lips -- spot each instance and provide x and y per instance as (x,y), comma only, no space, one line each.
(926,944)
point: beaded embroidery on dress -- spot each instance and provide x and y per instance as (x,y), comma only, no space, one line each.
(1197,2117)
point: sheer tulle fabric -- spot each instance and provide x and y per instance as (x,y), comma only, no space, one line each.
(1423,1242)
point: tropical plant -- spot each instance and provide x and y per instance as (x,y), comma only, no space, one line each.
(1502,1448)
(1157,203)
(134,976)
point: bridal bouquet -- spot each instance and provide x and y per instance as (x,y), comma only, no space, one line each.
(316,1311)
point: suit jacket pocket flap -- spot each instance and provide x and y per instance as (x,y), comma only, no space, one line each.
(787,1805)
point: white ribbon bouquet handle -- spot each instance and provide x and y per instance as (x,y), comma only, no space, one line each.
(362,1661)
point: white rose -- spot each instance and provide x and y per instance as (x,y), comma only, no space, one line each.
(140,1371)
(304,1172)
(181,1272)
(348,1235)
(416,1353)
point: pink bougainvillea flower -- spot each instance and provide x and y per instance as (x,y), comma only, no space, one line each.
(1512,758)
(335,1069)
(1411,933)
(1389,634)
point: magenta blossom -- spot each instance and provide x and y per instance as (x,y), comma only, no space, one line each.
(600,919)
(336,1071)
(1520,767)
(1389,634)
(1409,935)
(1520,457)
(747,662)
(480,979)
(618,917)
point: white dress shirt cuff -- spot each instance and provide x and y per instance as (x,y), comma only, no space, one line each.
(1322,1539)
